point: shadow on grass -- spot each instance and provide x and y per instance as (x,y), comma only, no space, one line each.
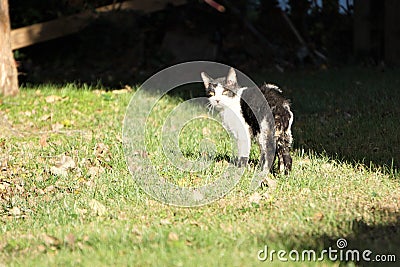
(382,240)
(350,114)
(380,245)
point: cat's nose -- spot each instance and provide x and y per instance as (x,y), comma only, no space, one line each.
(217,101)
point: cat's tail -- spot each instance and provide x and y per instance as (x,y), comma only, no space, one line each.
(270,86)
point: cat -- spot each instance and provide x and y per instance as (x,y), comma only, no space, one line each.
(234,102)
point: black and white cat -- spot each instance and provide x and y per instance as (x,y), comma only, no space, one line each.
(245,114)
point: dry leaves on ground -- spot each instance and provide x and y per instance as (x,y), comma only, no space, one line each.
(172,236)
(55,98)
(97,208)
(65,164)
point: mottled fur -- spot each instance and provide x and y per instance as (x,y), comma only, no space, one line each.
(234,103)
(283,118)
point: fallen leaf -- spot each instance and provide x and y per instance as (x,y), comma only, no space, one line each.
(122,216)
(64,164)
(102,151)
(97,208)
(127,87)
(172,236)
(164,222)
(53,98)
(98,92)
(67,162)
(43,141)
(45,117)
(90,183)
(305,191)
(268,197)
(120,91)
(228,228)
(136,231)
(196,223)
(57,127)
(15,211)
(58,171)
(206,131)
(3,144)
(50,241)
(304,162)
(95,171)
(255,198)
(49,189)
(3,165)
(40,191)
(41,248)
(101,148)
(70,239)
(81,211)
(318,216)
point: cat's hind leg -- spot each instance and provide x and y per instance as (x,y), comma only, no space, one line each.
(283,133)
(267,153)
(283,153)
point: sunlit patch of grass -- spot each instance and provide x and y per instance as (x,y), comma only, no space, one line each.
(96,214)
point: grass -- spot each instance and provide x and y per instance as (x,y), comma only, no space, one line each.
(67,198)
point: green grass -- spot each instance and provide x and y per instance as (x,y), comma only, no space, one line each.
(344,183)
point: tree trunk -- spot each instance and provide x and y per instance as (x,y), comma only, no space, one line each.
(392,32)
(362,28)
(8,69)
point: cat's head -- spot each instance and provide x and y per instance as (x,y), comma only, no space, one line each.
(221,91)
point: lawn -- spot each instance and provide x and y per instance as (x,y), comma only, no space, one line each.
(68,199)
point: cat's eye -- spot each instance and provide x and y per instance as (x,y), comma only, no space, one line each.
(211,93)
(226,92)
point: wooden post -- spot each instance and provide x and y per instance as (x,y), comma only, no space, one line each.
(8,69)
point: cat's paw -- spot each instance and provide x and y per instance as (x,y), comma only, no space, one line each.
(242,162)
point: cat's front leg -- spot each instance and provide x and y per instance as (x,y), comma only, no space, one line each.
(242,161)
(244,146)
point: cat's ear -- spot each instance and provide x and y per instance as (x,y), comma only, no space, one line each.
(231,77)
(206,79)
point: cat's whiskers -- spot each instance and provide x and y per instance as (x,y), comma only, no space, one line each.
(210,108)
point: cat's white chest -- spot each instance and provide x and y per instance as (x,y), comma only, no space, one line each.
(234,121)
